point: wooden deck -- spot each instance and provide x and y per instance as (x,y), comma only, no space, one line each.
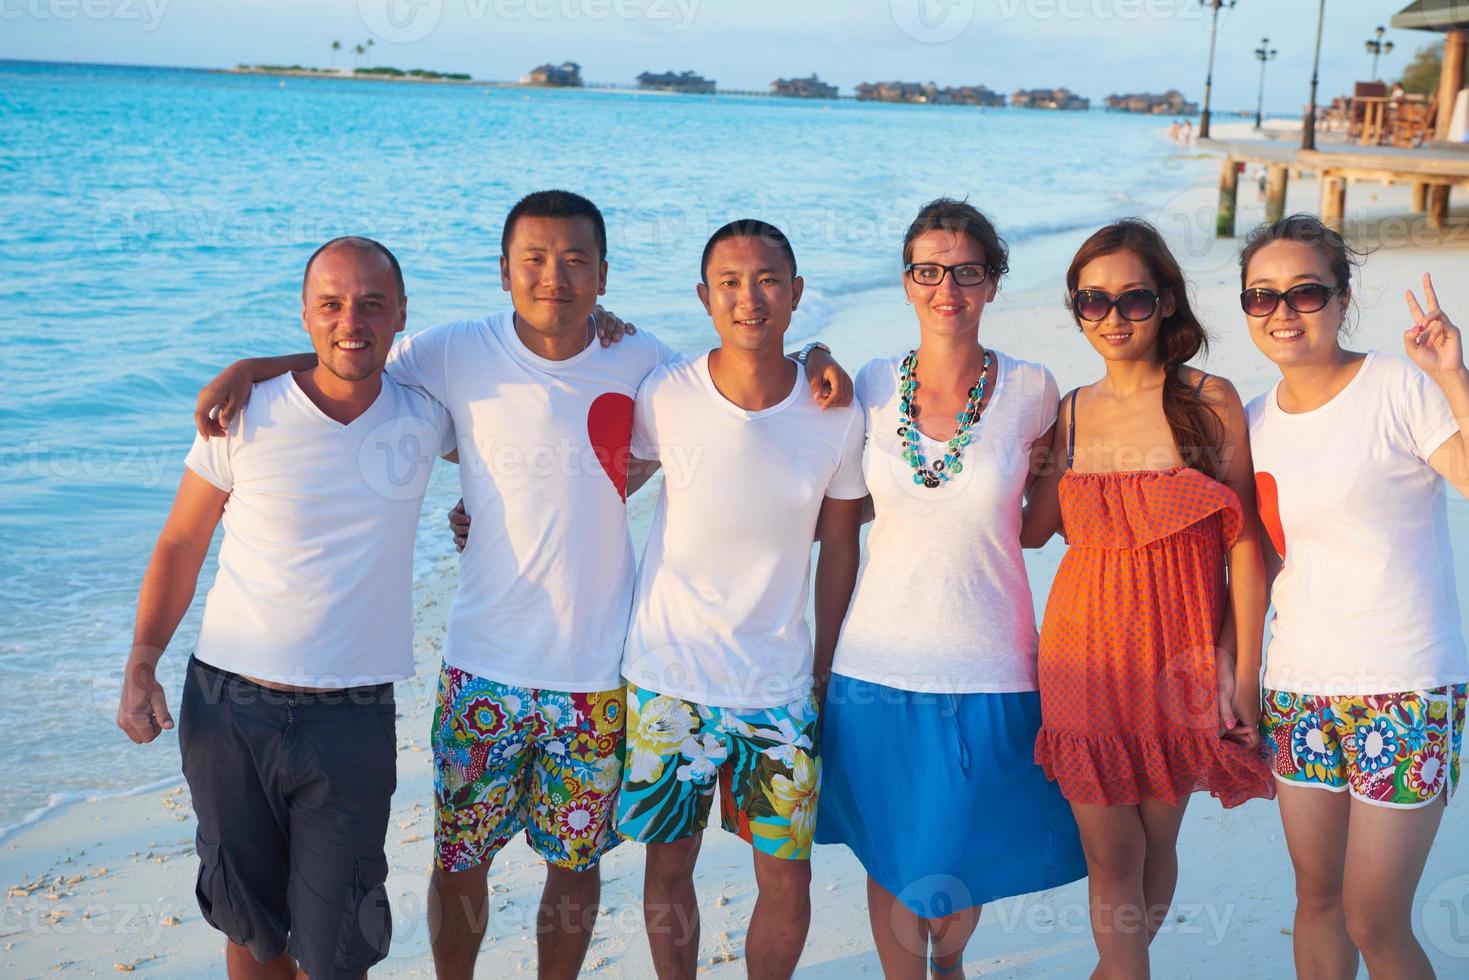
(1432,170)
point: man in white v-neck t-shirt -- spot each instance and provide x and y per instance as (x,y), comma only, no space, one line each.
(720,665)
(287,721)
(528,729)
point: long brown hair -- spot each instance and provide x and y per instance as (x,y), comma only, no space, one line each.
(1197,430)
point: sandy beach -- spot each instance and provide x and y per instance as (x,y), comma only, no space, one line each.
(107,885)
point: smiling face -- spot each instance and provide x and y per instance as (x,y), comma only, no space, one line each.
(1114,337)
(751,293)
(554,271)
(1286,337)
(351,307)
(948,309)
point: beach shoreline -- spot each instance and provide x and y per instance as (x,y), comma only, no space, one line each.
(107,885)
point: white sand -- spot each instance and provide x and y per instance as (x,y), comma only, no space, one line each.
(108,885)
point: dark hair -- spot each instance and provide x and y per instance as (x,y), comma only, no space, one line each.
(554,204)
(748,228)
(1197,430)
(1308,230)
(961,218)
(357,241)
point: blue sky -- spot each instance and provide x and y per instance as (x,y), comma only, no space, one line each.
(1095,47)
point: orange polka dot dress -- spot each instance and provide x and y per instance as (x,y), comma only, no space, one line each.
(1129,709)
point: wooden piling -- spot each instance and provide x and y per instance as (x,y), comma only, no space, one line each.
(1438,206)
(1420,197)
(1277,179)
(1333,201)
(1228,198)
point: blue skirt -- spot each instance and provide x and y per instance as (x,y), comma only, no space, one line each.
(939,795)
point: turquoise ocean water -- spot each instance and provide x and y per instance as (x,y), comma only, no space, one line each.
(153,225)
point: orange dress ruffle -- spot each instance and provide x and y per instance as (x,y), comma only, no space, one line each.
(1129,709)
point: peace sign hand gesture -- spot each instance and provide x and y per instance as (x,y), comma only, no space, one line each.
(1433,342)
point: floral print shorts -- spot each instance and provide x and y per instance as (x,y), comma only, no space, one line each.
(1393,750)
(765,760)
(509,758)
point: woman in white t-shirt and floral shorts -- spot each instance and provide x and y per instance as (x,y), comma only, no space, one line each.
(1364,687)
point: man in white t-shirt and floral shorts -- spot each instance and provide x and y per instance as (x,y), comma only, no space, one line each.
(722,676)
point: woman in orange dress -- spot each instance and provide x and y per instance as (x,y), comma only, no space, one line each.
(1161,591)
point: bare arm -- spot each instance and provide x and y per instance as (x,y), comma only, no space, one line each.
(836,577)
(168,588)
(1240,646)
(830,385)
(221,399)
(1437,347)
(1042,503)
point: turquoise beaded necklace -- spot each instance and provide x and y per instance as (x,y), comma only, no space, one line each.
(939,472)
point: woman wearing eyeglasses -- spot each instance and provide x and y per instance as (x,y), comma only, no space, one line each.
(931,714)
(1366,669)
(1162,584)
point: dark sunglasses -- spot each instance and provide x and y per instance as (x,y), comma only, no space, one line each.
(1308,297)
(931,273)
(1093,305)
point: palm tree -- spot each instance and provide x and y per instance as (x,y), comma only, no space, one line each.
(336,46)
(357,52)
(370,43)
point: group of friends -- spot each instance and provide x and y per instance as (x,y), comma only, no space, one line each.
(962,755)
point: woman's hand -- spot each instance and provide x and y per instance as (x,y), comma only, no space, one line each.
(1433,342)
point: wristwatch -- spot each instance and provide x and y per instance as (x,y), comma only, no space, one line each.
(806,351)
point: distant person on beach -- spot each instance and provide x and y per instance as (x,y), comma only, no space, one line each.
(930,722)
(723,683)
(287,727)
(1365,674)
(1149,651)
(1173,130)
(528,727)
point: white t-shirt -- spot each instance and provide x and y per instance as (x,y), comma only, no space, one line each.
(546,581)
(943,602)
(315,581)
(1365,603)
(720,616)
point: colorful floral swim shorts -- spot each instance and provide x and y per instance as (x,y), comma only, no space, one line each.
(1395,750)
(766,762)
(509,758)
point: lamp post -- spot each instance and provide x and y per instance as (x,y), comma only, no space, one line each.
(1377,47)
(1209,79)
(1308,130)
(1266,54)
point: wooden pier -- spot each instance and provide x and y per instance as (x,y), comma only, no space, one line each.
(1432,171)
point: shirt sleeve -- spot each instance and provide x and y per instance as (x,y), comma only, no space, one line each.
(421,361)
(664,354)
(1429,418)
(1050,404)
(444,426)
(848,483)
(644,432)
(211,460)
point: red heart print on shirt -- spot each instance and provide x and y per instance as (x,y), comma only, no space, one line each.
(609,429)
(1268,503)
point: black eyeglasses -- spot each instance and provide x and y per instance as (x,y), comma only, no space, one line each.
(1134,305)
(1308,297)
(931,273)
